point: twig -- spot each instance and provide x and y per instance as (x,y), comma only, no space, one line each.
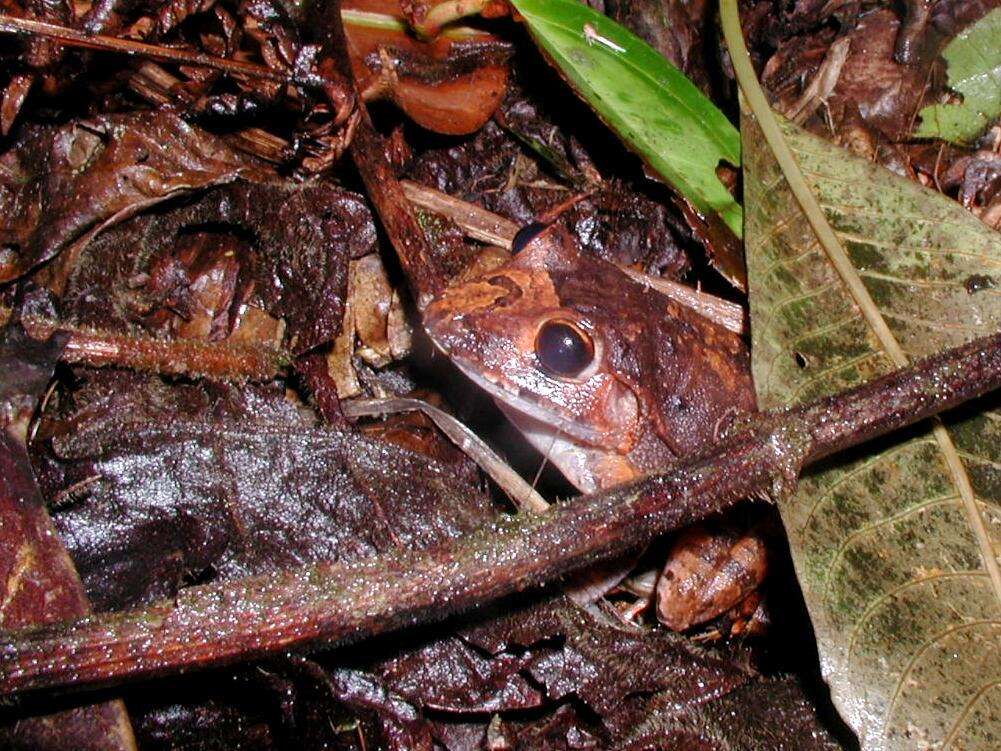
(189,357)
(156,85)
(524,496)
(329,604)
(420,263)
(431,19)
(475,221)
(486,226)
(74,38)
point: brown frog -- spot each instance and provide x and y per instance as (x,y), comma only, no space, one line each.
(606,376)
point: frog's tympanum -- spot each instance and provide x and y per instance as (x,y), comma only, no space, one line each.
(606,376)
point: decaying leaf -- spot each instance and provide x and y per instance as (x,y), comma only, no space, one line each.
(898,563)
(974,59)
(224,267)
(766,715)
(190,482)
(61,183)
(650,689)
(451,84)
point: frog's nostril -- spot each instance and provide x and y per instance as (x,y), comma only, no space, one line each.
(525,235)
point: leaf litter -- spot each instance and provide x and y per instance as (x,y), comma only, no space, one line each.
(176,204)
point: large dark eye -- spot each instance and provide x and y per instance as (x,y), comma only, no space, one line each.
(563,349)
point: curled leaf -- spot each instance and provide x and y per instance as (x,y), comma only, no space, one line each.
(450,84)
(59,184)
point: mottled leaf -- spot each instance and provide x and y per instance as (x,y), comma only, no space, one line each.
(897,563)
(648,102)
(974,59)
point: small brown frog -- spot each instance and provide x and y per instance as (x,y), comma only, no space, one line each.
(606,376)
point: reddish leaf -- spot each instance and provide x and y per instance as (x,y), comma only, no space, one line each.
(451,84)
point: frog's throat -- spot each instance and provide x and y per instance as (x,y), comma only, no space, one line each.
(559,423)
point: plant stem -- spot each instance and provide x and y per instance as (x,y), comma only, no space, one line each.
(187,357)
(330,604)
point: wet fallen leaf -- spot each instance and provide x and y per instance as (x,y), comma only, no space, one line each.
(198,482)
(895,547)
(61,185)
(246,484)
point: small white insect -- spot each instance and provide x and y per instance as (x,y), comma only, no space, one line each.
(592,36)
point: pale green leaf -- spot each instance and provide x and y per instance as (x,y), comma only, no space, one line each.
(907,618)
(974,60)
(649,103)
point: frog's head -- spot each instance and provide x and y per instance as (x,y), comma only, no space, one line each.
(572,347)
(511,332)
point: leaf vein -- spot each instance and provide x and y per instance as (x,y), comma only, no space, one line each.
(873,526)
(920,653)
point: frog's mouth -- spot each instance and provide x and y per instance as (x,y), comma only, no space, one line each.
(585,456)
(557,423)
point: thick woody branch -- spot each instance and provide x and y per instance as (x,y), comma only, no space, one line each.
(330,604)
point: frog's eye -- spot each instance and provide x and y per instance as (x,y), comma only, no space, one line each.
(563,349)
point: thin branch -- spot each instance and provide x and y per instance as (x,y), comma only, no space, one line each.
(486,226)
(188,357)
(475,221)
(523,495)
(330,604)
(74,38)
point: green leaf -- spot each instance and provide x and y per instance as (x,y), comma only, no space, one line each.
(974,59)
(649,103)
(888,551)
